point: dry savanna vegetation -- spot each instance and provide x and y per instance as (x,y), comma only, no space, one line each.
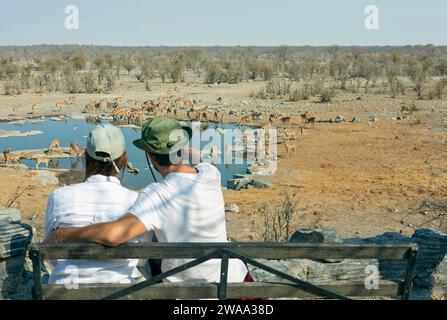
(362,149)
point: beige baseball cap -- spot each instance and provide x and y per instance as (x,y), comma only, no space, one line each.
(108,139)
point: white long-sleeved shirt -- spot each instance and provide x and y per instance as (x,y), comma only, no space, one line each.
(98,199)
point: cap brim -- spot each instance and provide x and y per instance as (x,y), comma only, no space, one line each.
(140,144)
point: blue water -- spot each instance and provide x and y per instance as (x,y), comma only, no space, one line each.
(75,130)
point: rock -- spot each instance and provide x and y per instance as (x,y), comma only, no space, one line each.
(355,120)
(261,182)
(10,214)
(14,241)
(431,267)
(46,177)
(233,208)
(14,133)
(339,119)
(265,168)
(315,236)
(237,184)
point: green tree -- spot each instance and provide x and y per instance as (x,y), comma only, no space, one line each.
(79,61)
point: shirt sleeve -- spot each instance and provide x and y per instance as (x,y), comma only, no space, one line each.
(145,209)
(49,217)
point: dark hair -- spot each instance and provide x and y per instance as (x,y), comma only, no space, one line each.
(93,167)
(164,160)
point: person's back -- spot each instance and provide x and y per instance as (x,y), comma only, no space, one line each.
(99,199)
(188,208)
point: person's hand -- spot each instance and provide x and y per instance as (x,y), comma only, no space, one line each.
(52,237)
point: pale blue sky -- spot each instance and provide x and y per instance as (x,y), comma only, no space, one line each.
(223,22)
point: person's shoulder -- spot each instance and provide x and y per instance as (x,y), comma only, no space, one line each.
(150,188)
(208,170)
(61,191)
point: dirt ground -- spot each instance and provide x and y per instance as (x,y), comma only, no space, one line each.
(361,179)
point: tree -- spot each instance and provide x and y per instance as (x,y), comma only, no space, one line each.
(79,61)
(176,67)
(293,70)
(127,62)
(418,71)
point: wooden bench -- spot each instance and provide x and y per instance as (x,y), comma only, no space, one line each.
(291,287)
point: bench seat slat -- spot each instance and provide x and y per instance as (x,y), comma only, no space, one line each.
(252,250)
(209,290)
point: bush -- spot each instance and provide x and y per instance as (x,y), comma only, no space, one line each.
(109,82)
(72,83)
(12,88)
(277,220)
(298,95)
(327,95)
(89,84)
(274,89)
(440,88)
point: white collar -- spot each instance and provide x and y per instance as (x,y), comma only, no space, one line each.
(101,178)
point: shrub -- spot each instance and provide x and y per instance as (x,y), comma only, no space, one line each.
(109,82)
(299,94)
(327,95)
(72,83)
(12,88)
(89,84)
(440,88)
(277,220)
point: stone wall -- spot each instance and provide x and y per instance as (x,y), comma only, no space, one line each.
(14,240)
(431,269)
(430,280)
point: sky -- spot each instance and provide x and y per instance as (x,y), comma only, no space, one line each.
(223,22)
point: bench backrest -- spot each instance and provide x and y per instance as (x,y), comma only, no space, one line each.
(201,252)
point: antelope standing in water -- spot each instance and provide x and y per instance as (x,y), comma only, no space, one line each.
(43,160)
(54,144)
(11,158)
(74,149)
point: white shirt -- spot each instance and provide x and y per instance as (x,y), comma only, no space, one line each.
(98,199)
(188,208)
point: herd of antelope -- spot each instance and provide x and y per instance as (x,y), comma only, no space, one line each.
(59,105)
(14,158)
(134,111)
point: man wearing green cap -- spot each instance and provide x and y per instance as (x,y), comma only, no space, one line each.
(186,206)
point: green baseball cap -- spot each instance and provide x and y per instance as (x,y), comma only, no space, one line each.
(163,135)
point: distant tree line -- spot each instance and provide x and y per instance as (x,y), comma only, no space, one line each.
(91,69)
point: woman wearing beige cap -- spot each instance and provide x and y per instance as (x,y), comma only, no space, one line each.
(100,198)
